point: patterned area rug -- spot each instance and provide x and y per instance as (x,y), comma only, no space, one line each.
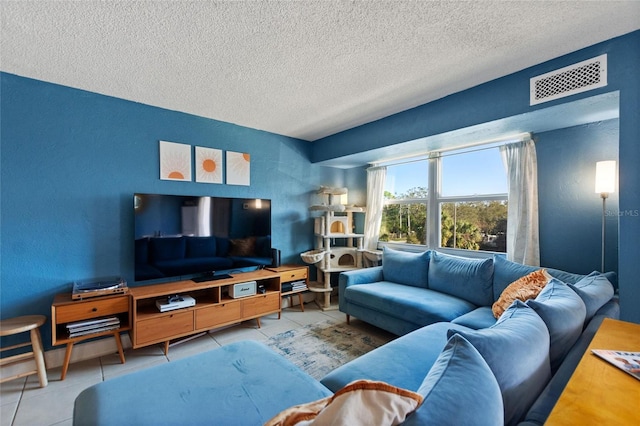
(322,347)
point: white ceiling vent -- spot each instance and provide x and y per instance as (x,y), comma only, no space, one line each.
(577,78)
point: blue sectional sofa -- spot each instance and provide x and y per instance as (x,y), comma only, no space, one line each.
(532,349)
(468,367)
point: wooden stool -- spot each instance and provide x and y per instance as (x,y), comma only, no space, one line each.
(17,325)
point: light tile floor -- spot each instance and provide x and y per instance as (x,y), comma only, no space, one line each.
(23,402)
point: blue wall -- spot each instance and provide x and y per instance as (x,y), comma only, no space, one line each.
(570,212)
(71,161)
(509,96)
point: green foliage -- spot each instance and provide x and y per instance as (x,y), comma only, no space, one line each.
(478,225)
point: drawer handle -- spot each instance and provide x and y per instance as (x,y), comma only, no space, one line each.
(94,310)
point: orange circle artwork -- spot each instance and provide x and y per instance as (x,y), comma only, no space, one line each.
(209,165)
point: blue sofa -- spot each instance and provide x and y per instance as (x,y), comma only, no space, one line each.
(430,296)
(470,368)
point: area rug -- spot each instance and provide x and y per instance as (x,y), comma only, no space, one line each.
(322,347)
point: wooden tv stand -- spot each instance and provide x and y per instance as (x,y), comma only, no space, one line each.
(214,308)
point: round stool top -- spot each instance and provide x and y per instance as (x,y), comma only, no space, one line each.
(20,324)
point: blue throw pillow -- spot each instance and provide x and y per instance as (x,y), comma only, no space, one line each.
(468,279)
(460,389)
(516,349)
(563,311)
(505,272)
(405,268)
(595,290)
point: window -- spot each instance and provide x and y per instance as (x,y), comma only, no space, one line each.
(404,216)
(463,205)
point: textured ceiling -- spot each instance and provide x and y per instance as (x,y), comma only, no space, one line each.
(305,69)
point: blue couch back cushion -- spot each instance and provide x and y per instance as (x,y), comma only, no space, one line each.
(405,268)
(595,290)
(460,389)
(516,349)
(201,246)
(468,279)
(564,312)
(169,248)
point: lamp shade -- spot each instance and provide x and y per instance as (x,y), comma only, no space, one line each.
(605,177)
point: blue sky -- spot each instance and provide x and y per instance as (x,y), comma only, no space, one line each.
(479,172)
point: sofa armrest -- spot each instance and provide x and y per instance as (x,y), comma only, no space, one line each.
(360,276)
(357,277)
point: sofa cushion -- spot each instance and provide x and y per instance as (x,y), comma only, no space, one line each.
(403,362)
(416,305)
(563,311)
(523,289)
(594,290)
(469,279)
(481,317)
(405,268)
(516,349)
(169,248)
(505,272)
(460,389)
(201,246)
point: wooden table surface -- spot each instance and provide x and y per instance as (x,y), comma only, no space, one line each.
(598,392)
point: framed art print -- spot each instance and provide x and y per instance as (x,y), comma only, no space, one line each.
(238,168)
(208,165)
(175,161)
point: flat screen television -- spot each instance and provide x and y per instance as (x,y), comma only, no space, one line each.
(180,237)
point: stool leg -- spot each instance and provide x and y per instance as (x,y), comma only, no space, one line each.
(36,344)
(119,344)
(301,302)
(67,358)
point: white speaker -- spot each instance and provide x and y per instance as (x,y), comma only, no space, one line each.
(242,289)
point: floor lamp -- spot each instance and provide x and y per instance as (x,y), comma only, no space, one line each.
(605,184)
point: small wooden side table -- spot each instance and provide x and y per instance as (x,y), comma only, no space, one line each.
(599,393)
(30,323)
(291,273)
(65,310)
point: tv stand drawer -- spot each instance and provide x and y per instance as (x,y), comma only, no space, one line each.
(218,314)
(259,305)
(164,327)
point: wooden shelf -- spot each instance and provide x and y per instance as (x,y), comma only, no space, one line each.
(65,310)
(214,307)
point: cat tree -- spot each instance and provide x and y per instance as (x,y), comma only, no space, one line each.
(336,223)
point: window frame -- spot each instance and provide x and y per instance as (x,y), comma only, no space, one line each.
(434,201)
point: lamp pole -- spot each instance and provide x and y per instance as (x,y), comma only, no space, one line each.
(604,196)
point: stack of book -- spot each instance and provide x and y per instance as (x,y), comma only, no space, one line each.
(294,286)
(91,326)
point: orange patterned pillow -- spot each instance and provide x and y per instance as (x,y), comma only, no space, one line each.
(525,288)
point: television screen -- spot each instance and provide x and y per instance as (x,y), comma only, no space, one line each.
(184,237)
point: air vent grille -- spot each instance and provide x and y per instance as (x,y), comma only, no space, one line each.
(577,78)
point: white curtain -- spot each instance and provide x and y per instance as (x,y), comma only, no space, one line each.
(375,204)
(523,245)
